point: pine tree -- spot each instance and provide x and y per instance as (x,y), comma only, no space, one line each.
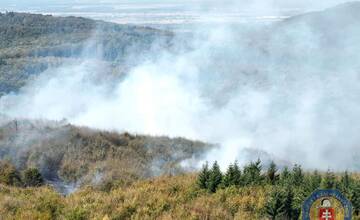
(313,182)
(345,184)
(252,173)
(292,201)
(297,175)
(204,176)
(285,177)
(229,176)
(346,180)
(272,175)
(275,206)
(299,198)
(355,198)
(237,175)
(215,178)
(329,180)
(288,203)
(232,176)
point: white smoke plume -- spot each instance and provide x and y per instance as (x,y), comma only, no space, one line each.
(284,89)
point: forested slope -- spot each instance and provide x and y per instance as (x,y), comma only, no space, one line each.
(66,154)
(31,43)
(255,192)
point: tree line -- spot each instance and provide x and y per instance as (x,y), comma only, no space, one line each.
(289,186)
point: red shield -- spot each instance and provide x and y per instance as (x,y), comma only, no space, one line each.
(326,214)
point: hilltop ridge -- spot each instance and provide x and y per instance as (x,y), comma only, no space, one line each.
(65,154)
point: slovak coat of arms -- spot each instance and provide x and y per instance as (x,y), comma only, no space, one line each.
(327,205)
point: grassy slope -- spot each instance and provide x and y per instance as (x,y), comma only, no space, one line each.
(165,197)
(175,197)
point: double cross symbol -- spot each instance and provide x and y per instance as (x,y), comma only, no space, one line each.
(326,215)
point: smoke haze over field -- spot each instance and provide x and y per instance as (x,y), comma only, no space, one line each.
(289,89)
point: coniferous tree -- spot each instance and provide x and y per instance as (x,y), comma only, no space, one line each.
(275,206)
(204,176)
(293,200)
(215,177)
(232,176)
(313,182)
(329,180)
(252,173)
(297,175)
(346,180)
(288,203)
(345,184)
(299,198)
(285,177)
(355,198)
(237,175)
(229,176)
(272,175)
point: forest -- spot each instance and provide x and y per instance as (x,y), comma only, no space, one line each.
(32,43)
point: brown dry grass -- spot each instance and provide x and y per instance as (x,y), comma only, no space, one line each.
(166,197)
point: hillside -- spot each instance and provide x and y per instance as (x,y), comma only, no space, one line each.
(31,43)
(180,197)
(289,91)
(161,198)
(70,156)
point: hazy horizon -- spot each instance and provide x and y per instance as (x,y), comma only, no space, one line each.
(162,13)
(201,4)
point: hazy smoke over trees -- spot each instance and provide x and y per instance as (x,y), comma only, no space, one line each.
(290,89)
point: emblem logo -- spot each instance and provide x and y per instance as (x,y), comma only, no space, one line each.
(327,205)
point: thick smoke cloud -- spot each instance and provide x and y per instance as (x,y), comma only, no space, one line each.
(284,90)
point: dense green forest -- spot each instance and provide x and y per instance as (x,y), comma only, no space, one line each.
(31,43)
(289,187)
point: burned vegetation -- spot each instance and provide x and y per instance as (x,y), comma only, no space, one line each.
(80,155)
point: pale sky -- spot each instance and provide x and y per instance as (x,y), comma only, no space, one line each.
(277,3)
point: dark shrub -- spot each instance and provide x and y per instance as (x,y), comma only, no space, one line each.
(32,177)
(9,175)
